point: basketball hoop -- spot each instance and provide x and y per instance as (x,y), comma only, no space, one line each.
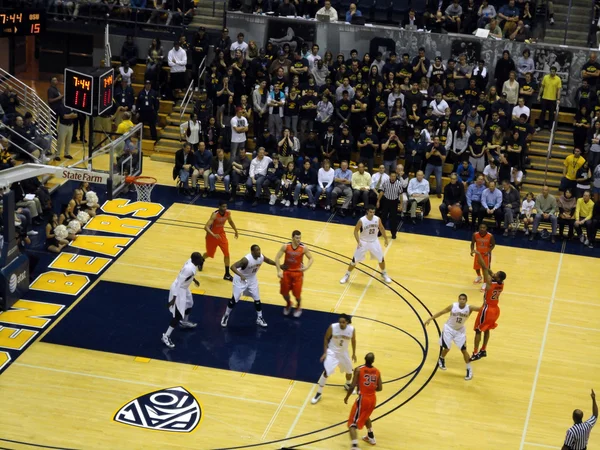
(143,187)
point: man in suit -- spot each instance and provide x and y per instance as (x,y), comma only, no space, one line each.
(148,103)
(184,166)
(220,171)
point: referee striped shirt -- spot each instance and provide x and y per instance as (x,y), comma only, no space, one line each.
(391,191)
(578,434)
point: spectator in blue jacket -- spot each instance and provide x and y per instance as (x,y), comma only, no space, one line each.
(466,174)
(306,182)
(491,204)
(352,12)
(474,193)
(202,166)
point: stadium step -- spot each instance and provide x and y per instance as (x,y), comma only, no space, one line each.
(554,164)
(163,157)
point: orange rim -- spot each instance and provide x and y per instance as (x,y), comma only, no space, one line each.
(141,180)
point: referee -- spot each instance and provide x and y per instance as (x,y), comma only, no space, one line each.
(388,201)
(578,434)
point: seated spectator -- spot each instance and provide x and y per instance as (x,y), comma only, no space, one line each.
(439,106)
(288,184)
(434,159)
(412,20)
(202,167)
(352,13)
(257,175)
(342,186)
(184,166)
(486,13)
(595,224)
(495,30)
(453,15)
(325,178)
(526,215)
(546,210)
(22,141)
(521,33)
(510,15)
(510,205)
(240,167)
(275,173)
(465,173)
(583,219)
(361,187)
(583,178)
(571,165)
(53,244)
(491,202)
(491,171)
(327,9)
(306,182)
(516,177)
(402,177)
(454,195)
(377,179)
(220,171)
(6,158)
(566,213)
(418,193)
(286,9)
(521,109)
(268,141)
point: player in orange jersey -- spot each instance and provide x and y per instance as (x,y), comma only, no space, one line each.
(368,381)
(489,313)
(482,242)
(216,237)
(291,272)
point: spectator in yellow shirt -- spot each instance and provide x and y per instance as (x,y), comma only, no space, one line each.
(549,96)
(126,124)
(583,218)
(361,186)
(572,164)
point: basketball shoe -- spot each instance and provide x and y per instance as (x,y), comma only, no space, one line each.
(260,321)
(187,324)
(369,440)
(442,363)
(224,320)
(469,375)
(167,341)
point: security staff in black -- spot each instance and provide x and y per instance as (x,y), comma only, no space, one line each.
(389,200)
(147,105)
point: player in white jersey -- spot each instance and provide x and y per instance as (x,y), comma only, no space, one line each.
(454,331)
(246,283)
(180,297)
(335,353)
(365,233)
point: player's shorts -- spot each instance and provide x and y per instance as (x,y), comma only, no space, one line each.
(361,411)
(450,335)
(487,258)
(374,248)
(212,244)
(291,281)
(486,318)
(248,288)
(334,359)
(183,300)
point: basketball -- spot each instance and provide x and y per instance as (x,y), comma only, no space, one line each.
(456,213)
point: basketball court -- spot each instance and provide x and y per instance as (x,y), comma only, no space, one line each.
(87,338)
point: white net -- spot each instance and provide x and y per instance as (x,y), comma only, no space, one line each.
(143,187)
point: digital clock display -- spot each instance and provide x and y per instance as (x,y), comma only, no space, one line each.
(22,22)
(78,91)
(105,91)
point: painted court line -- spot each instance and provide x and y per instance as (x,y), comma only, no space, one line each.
(543,346)
(542,445)
(564,300)
(142,383)
(574,326)
(297,419)
(278,410)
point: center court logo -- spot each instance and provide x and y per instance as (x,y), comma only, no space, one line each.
(173,409)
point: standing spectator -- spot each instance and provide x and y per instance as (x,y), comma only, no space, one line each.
(239,45)
(510,204)
(418,193)
(368,144)
(260,98)
(65,132)
(177,60)
(257,174)
(594,154)
(220,171)
(420,65)
(434,158)
(224,42)
(199,50)
(324,114)
(511,89)
(546,210)
(591,70)
(388,200)
(239,128)
(54,96)
(549,95)
(306,182)
(391,151)
(148,104)
(129,51)
(454,195)
(342,181)
(477,149)
(579,434)
(474,194)
(276,103)
(571,165)
(239,174)
(583,218)
(503,68)
(525,64)
(191,131)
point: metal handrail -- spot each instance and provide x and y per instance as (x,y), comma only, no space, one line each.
(42,151)
(44,116)
(567,22)
(189,94)
(551,141)
(37,160)
(201,70)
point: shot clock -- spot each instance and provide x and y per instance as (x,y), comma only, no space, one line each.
(89,90)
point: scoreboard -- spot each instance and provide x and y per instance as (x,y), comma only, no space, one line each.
(89,90)
(22,22)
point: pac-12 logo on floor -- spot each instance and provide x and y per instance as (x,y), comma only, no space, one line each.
(172,409)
